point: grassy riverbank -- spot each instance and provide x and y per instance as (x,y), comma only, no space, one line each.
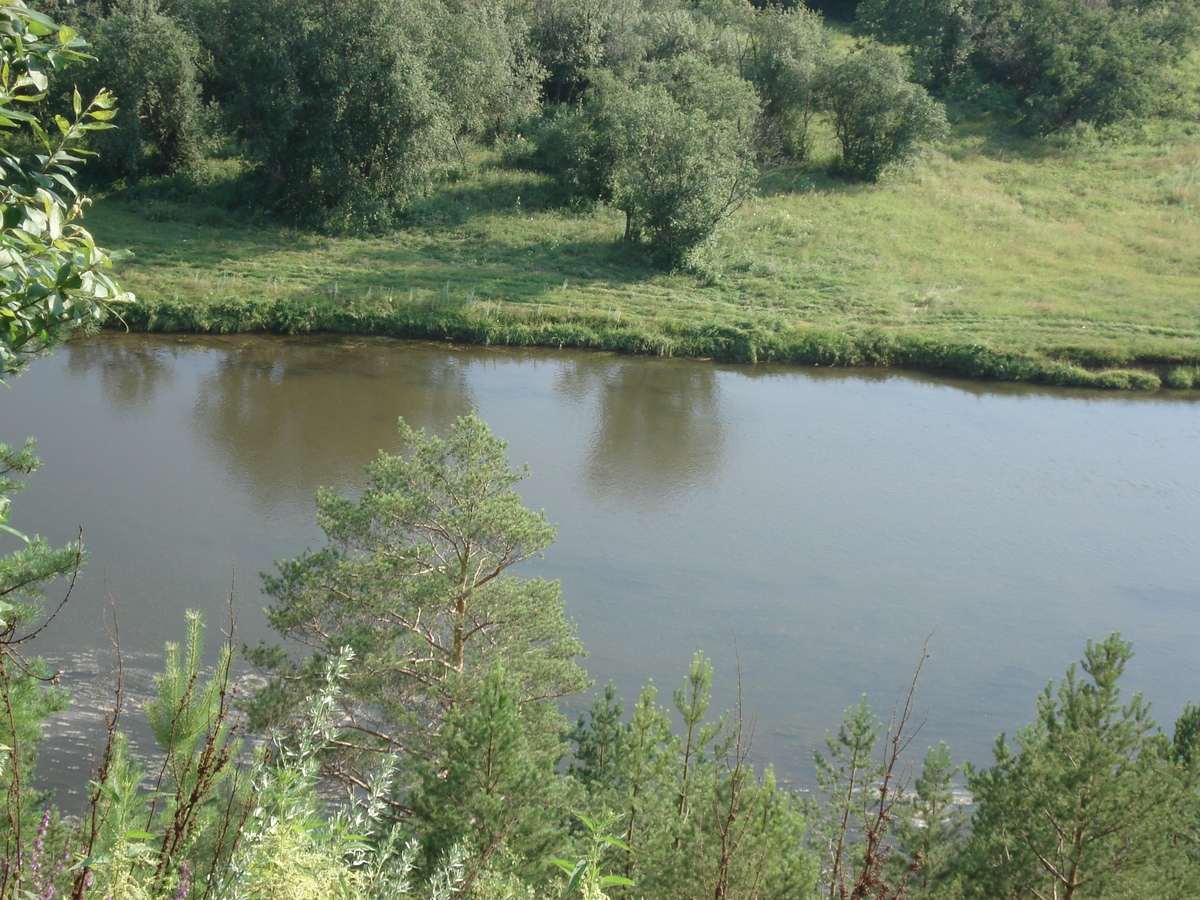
(997,257)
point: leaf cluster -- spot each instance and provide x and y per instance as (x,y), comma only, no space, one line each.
(52,274)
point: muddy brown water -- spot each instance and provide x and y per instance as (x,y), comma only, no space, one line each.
(814,525)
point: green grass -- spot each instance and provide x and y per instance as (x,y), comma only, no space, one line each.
(996,257)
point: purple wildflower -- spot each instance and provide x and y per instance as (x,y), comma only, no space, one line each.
(185,881)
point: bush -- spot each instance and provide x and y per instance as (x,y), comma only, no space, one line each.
(338,107)
(673,152)
(1074,61)
(880,117)
(940,34)
(485,67)
(571,38)
(1128,379)
(149,62)
(789,53)
(1183,377)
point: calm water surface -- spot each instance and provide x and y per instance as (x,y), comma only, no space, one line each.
(815,525)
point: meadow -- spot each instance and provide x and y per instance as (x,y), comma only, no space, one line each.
(1071,260)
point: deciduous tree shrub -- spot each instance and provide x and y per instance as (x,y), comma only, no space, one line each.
(1072,61)
(940,34)
(337,105)
(881,118)
(790,51)
(150,63)
(1065,61)
(673,150)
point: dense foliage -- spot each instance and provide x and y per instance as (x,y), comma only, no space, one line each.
(415,582)
(1062,62)
(52,274)
(344,117)
(790,54)
(670,150)
(336,106)
(879,116)
(155,60)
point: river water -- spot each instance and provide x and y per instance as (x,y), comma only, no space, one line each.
(814,525)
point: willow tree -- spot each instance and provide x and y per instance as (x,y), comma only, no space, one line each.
(881,118)
(940,34)
(671,146)
(1071,61)
(151,62)
(790,51)
(337,105)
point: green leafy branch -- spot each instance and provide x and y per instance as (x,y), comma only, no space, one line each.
(52,274)
(583,875)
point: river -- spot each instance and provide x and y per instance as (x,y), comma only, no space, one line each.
(814,525)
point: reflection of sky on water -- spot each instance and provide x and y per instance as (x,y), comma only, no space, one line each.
(826,521)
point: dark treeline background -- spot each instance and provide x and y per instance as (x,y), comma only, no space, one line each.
(341,117)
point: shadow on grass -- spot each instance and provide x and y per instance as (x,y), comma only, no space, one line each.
(510,274)
(979,129)
(803,178)
(201,238)
(514,270)
(492,191)
(222,192)
(976,133)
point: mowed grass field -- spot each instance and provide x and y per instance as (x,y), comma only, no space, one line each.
(995,256)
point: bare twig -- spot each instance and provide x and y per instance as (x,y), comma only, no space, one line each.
(869,882)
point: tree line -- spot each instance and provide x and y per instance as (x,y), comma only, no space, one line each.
(343,118)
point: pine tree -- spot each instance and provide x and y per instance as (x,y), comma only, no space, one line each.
(847,773)
(697,817)
(415,580)
(486,788)
(930,829)
(1092,802)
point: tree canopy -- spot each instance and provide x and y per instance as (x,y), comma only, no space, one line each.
(880,117)
(415,580)
(1063,61)
(154,61)
(337,105)
(1092,804)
